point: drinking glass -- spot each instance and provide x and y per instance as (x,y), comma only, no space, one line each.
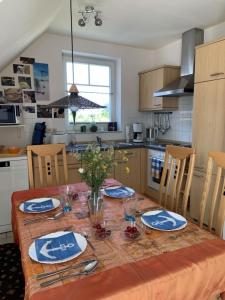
(129,206)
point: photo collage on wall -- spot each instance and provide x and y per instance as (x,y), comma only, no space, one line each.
(28,84)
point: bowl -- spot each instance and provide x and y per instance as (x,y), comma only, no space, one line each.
(14,150)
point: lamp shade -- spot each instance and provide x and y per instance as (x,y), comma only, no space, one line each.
(74,100)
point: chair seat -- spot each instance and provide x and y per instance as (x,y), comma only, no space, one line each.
(11,273)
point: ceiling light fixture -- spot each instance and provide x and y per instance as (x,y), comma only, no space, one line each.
(85,16)
(73,101)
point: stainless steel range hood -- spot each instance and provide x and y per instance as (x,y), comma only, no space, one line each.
(185,84)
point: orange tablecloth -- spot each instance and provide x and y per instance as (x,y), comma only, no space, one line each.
(187,264)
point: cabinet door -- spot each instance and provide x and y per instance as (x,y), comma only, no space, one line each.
(208,119)
(133,178)
(210,62)
(145,91)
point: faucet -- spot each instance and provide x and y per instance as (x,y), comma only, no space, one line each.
(99,141)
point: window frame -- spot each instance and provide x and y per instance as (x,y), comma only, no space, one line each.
(88,59)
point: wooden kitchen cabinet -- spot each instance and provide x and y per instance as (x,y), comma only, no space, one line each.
(210,61)
(153,80)
(133,179)
(208,119)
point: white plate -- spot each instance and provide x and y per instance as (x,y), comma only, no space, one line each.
(81,241)
(56,204)
(154,212)
(132,192)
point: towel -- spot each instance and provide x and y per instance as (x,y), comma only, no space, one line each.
(38,206)
(163,221)
(156,169)
(56,248)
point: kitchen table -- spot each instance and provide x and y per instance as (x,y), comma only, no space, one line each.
(188,264)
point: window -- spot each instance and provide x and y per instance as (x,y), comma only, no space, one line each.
(94,79)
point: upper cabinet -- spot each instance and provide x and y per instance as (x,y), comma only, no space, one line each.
(210,61)
(153,80)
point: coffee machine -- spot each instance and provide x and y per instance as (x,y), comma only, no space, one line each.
(137,133)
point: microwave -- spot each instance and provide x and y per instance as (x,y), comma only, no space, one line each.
(10,114)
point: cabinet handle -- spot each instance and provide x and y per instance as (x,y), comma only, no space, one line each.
(121,162)
(157,105)
(217,74)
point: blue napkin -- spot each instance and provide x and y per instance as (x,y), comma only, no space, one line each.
(57,248)
(38,206)
(120,192)
(163,221)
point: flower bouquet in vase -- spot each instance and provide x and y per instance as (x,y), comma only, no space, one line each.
(96,166)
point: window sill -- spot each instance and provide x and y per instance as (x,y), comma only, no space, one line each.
(96,132)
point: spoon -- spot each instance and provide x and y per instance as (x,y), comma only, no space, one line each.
(86,270)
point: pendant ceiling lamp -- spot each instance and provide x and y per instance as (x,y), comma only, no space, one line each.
(73,101)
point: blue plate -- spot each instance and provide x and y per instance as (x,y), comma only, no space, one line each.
(163,220)
(39,205)
(57,247)
(119,192)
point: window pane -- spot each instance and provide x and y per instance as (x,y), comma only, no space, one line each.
(80,73)
(93,115)
(99,75)
(93,89)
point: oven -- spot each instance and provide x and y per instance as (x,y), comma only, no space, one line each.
(155,167)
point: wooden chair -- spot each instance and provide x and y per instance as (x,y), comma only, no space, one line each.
(46,164)
(214,190)
(176,178)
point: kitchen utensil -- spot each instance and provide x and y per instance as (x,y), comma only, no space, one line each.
(88,241)
(54,217)
(86,270)
(58,229)
(48,274)
(139,212)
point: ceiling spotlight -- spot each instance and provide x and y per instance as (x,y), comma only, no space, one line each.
(98,21)
(86,14)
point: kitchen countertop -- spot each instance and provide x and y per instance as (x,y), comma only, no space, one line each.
(157,145)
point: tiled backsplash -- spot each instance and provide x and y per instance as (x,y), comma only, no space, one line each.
(180,127)
(180,122)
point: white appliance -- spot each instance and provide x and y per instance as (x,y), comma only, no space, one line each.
(159,154)
(13,177)
(10,114)
(60,138)
(137,133)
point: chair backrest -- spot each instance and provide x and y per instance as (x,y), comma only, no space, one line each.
(213,196)
(47,164)
(176,178)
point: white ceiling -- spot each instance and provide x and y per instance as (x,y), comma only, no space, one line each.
(144,23)
(21,22)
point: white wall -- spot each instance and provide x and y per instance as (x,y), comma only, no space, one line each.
(48,49)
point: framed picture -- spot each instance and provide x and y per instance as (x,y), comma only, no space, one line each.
(8,81)
(27,60)
(13,95)
(58,113)
(29,109)
(24,82)
(21,69)
(29,96)
(41,81)
(44,112)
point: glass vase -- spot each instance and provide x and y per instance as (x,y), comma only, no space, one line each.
(95,205)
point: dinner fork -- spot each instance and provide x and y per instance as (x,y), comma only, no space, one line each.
(53,217)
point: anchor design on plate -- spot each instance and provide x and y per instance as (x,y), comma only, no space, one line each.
(62,247)
(34,207)
(166,220)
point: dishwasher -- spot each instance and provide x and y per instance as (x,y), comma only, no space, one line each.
(13,177)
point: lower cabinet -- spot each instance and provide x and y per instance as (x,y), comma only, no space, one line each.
(133,178)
